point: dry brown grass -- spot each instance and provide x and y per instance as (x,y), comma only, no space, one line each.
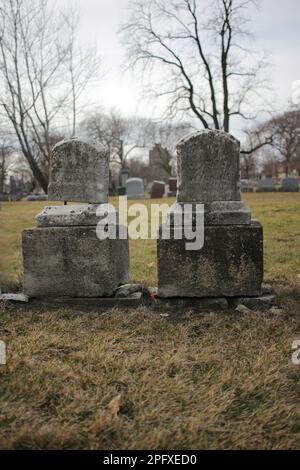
(132,380)
(136,380)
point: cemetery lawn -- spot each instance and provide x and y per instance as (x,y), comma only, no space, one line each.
(139,380)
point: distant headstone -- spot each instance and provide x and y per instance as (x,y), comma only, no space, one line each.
(135,188)
(172,187)
(173,184)
(79,172)
(121,190)
(124,176)
(246,186)
(158,190)
(266,185)
(37,197)
(290,185)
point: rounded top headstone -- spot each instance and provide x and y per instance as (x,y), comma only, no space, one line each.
(208,167)
(79,171)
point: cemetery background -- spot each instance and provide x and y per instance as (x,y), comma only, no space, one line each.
(145,380)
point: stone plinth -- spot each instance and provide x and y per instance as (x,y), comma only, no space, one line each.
(64,257)
(72,262)
(79,172)
(230,264)
(215,213)
(66,216)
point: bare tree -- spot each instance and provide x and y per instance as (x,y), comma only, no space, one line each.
(257,138)
(5,153)
(166,133)
(285,129)
(208,73)
(82,65)
(36,46)
(120,135)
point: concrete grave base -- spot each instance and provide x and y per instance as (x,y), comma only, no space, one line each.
(105,303)
(230,264)
(263,302)
(212,304)
(200,305)
(71,262)
(134,296)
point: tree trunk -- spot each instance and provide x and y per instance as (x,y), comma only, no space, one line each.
(37,173)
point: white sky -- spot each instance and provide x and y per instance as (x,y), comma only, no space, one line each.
(276,27)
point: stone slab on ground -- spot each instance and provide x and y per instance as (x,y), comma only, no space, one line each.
(263,302)
(105,303)
(15,297)
(128,289)
(208,304)
(73,262)
(230,264)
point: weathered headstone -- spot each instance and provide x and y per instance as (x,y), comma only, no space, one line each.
(63,257)
(230,264)
(135,188)
(79,171)
(290,185)
(266,185)
(158,190)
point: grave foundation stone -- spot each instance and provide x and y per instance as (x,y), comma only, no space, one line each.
(230,263)
(63,257)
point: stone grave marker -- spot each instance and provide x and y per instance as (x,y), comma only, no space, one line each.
(79,171)
(135,188)
(246,186)
(290,185)
(158,190)
(266,185)
(121,190)
(172,187)
(230,263)
(63,257)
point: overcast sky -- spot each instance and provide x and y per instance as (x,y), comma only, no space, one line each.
(276,27)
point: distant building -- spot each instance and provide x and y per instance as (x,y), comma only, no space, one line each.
(160,164)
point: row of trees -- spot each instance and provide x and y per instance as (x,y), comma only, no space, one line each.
(194,53)
(274,141)
(122,136)
(43,73)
